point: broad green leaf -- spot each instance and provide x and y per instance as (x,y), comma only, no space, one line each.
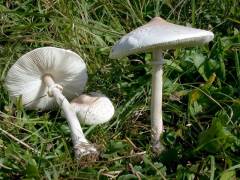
(117,146)
(193,106)
(154,168)
(32,168)
(184,174)
(216,138)
(227,175)
(198,101)
(173,65)
(199,61)
(210,81)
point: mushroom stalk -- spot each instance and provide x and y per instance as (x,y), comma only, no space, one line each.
(156,100)
(155,36)
(77,134)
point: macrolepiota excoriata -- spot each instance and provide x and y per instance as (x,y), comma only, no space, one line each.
(155,36)
(47,77)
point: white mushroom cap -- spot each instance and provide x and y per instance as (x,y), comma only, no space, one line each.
(25,77)
(93,109)
(159,33)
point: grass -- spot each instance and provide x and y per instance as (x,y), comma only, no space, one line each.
(201,92)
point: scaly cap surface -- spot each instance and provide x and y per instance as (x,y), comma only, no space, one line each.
(93,109)
(159,33)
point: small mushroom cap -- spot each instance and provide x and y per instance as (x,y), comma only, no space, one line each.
(93,109)
(161,34)
(25,77)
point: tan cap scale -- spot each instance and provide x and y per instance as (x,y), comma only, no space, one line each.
(155,36)
(93,109)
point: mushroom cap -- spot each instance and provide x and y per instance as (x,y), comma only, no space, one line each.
(25,77)
(161,34)
(93,109)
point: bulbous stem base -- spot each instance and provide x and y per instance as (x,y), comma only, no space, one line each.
(157,147)
(86,152)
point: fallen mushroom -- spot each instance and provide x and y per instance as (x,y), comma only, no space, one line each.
(155,36)
(93,109)
(46,77)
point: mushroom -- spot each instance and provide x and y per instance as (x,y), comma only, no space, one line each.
(155,36)
(93,109)
(46,77)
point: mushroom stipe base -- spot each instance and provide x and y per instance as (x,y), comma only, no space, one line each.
(81,146)
(86,152)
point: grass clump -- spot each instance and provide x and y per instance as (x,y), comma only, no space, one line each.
(201,92)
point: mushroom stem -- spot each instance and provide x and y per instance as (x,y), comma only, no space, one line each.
(81,144)
(156,100)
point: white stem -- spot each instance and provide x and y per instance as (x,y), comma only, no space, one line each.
(75,127)
(156,101)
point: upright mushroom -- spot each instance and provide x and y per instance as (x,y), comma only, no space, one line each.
(155,36)
(46,77)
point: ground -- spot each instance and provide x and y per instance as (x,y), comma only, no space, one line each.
(201,103)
